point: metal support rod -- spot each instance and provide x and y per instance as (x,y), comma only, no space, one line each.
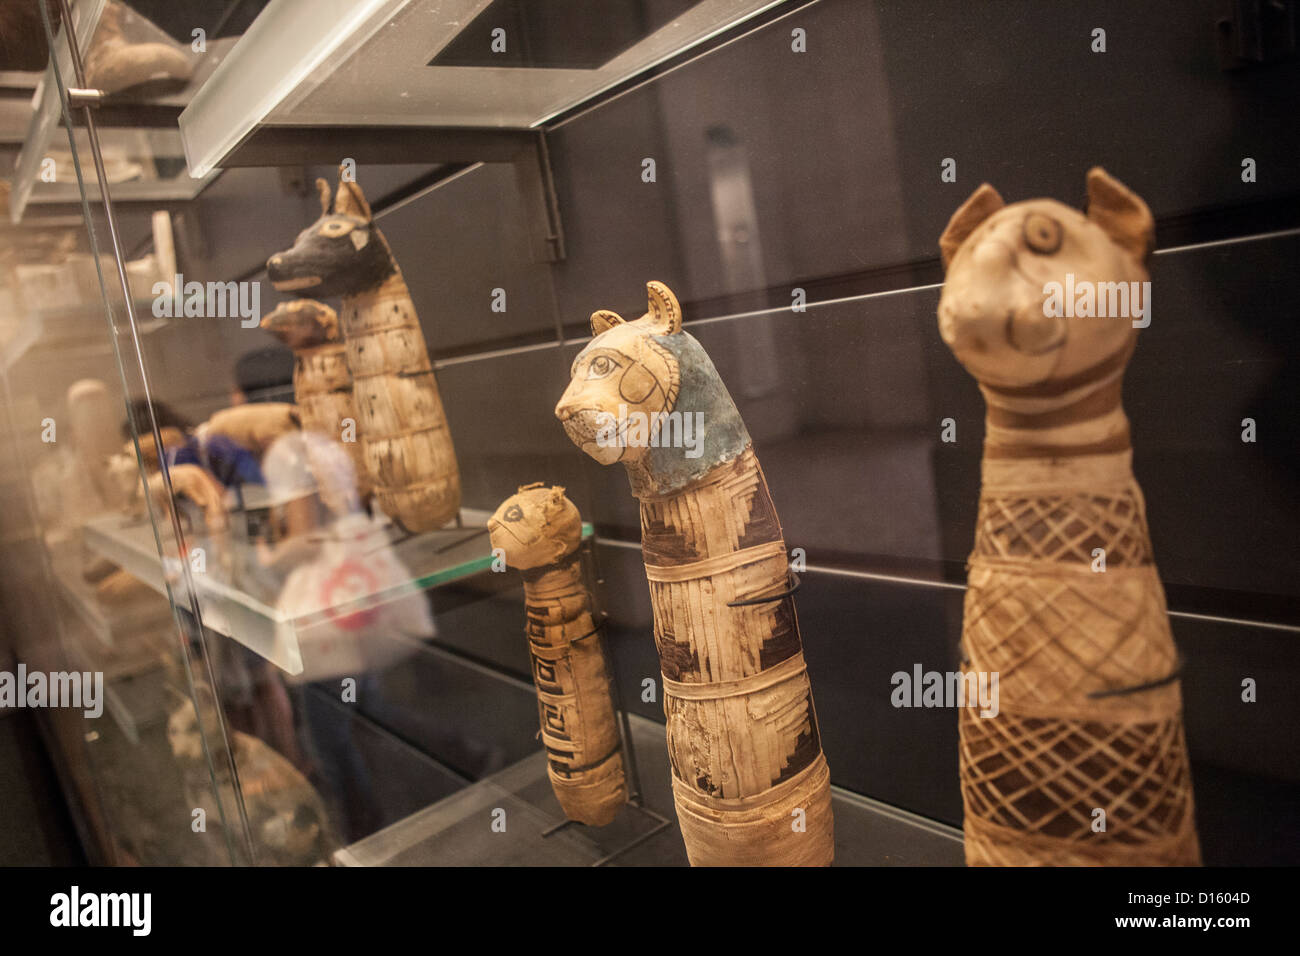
(663,824)
(563,824)
(631,773)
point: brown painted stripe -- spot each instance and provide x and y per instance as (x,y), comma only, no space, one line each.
(534,574)
(677,659)
(762,524)
(806,749)
(1095,405)
(662,543)
(1053,387)
(1116,443)
(721,564)
(665,542)
(784,641)
(789,669)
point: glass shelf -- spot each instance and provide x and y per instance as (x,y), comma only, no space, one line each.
(104,623)
(65,330)
(431,560)
(15,117)
(456,831)
(143,154)
(432,63)
(48,115)
(136,691)
(134,668)
(20,79)
(142,165)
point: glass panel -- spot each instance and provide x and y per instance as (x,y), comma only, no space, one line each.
(338,659)
(142,758)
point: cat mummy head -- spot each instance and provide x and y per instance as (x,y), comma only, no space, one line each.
(303,323)
(1008,309)
(644,393)
(535,527)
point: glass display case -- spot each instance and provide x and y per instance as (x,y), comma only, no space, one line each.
(325,328)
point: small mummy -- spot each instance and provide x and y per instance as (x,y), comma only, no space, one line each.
(538,531)
(322,383)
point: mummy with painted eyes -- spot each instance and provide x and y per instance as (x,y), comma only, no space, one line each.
(743,739)
(623,375)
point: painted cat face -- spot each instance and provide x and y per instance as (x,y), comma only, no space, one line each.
(341,253)
(622,380)
(535,527)
(1037,291)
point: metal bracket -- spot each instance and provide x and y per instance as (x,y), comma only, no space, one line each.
(116,112)
(1259,31)
(525,149)
(78,97)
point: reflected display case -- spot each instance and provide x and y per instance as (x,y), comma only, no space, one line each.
(684,432)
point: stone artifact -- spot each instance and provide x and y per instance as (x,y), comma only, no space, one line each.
(286,816)
(1064,602)
(749,778)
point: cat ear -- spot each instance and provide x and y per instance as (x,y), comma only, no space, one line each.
(1121,213)
(982,203)
(665,313)
(602,320)
(350,200)
(323,190)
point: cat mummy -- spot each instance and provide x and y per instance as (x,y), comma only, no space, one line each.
(1085,762)
(749,778)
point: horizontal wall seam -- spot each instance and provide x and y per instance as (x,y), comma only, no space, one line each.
(843,300)
(953,586)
